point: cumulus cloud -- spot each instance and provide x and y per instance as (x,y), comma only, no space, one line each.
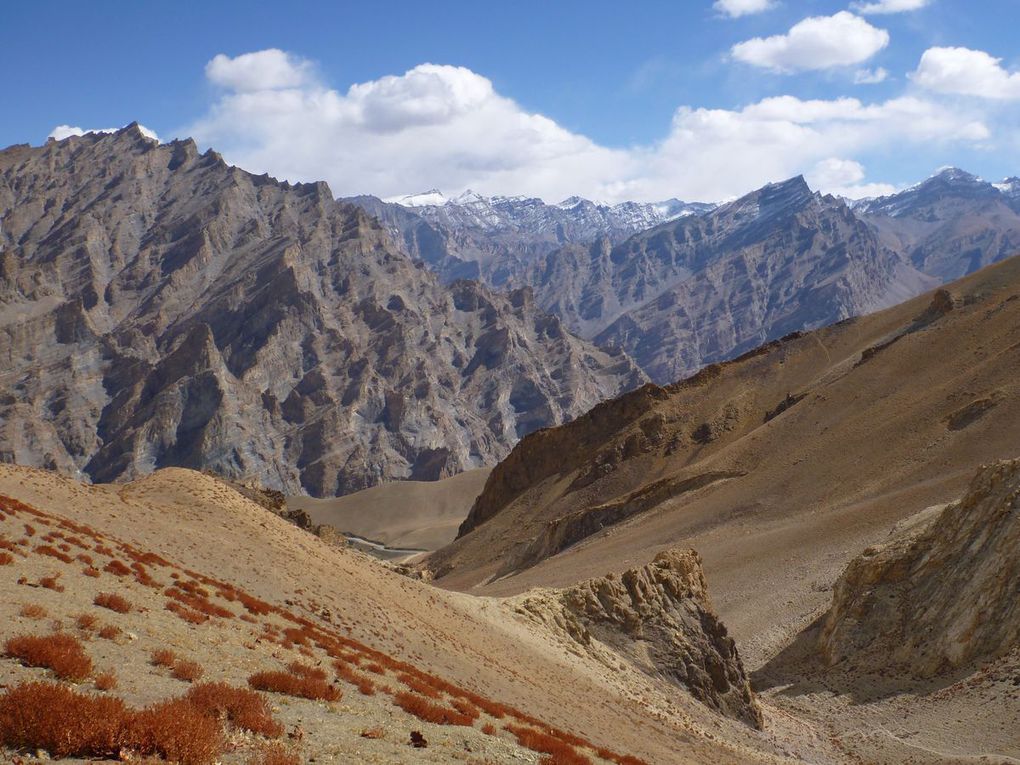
(264,70)
(817,42)
(890,6)
(870,76)
(963,71)
(447,127)
(844,177)
(736,8)
(60,132)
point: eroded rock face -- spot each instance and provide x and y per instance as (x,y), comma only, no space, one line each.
(158,308)
(940,594)
(660,618)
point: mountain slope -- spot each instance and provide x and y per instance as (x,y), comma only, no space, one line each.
(161,308)
(191,539)
(830,436)
(706,288)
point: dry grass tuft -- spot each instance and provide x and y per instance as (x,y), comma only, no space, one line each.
(163,657)
(105,681)
(373,733)
(294,685)
(33,611)
(188,671)
(86,622)
(242,707)
(109,632)
(274,754)
(52,582)
(61,653)
(63,723)
(423,709)
(175,730)
(560,752)
(113,602)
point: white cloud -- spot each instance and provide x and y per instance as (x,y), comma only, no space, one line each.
(870,76)
(890,6)
(447,127)
(967,72)
(843,177)
(264,70)
(817,42)
(60,132)
(736,8)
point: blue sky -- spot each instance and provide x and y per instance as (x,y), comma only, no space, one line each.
(603,99)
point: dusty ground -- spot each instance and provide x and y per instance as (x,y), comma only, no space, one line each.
(423,515)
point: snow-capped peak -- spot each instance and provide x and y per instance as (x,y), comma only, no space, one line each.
(430,198)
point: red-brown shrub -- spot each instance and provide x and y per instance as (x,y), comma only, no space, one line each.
(105,681)
(176,730)
(543,743)
(63,654)
(304,670)
(116,568)
(242,707)
(54,718)
(91,571)
(419,686)
(6,559)
(254,605)
(86,559)
(489,729)
(52,582)
(53,553)
(29,530)
(373,733)
(423,709)
(113,601)
(566,757)
(188,671)
(33,611)
(466,708)
(163,657)
(274,754)
(363,683)
(109,632)
(191,617)
(85,622)
(375,668)
(284,682)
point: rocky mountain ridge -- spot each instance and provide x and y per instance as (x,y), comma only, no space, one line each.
(159,307)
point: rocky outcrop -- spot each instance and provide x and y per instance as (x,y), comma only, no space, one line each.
(159,307)
(660,619)
(939,595)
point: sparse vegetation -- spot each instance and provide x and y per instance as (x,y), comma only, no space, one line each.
(294,685)
(191,617)
(242,707)
(113,602)
(426,710)
(85,622)
(6,559)
(52,582)
(53,553)
(560,752)
(176,730)
(274,754)
(163,657)
(116,568)
(105,681)
(109,632)
(91,571)
(187,671)
(33,611)
(62,654)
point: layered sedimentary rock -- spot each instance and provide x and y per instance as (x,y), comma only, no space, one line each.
(159,307)
(660,618)
(941,593)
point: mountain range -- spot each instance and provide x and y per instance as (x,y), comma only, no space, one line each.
(160,307)
(704,282)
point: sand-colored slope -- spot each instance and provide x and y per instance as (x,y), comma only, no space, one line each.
(202,525)
(777,468)
(401,514)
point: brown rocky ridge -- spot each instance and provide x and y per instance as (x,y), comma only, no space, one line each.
(159,307)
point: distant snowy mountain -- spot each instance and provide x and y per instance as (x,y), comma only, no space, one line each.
(495,238)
